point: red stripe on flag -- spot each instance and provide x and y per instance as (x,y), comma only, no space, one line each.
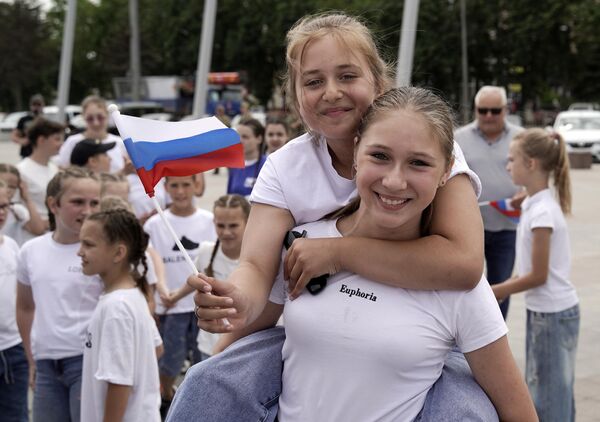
(232,156)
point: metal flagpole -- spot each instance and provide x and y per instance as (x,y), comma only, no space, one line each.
(204,57)
(408,33)
(134,50)
(66,59)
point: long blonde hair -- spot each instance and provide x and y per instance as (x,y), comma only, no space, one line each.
(349,31)
(550,150)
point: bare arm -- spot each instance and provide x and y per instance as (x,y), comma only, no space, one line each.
(116,402)
(495,370)
(248,287)
(540,260)
(267,319)
(450,258)
(18,137)
(25,313)
(36,224)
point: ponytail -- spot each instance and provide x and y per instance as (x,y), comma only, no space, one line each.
(550,150)
(209,271)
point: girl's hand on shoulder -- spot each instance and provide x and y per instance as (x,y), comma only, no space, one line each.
(307,259)
(221,306)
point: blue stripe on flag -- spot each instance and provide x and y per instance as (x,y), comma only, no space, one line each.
(147,154)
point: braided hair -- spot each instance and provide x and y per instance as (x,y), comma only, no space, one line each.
(226,201)
(120,225)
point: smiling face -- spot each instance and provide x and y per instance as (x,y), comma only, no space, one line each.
(335,88)
(97,255)
(399,166)
(81,198)
(230,224)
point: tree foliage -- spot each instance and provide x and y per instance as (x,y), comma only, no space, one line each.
(551,48)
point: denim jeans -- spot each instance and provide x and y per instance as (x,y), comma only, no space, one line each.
(500,259)
(14,380)
(243,383)
(179,333)
(57,395)
(550,362)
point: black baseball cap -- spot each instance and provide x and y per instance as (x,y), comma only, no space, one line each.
(88,148)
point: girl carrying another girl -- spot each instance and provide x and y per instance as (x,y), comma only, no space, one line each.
(544,257)
(364,339)
(334,73)
(55,301)
(120,367)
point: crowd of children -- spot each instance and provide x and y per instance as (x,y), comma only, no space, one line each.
(96,315)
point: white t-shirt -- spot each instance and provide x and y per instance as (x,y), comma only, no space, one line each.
(116,154)
(557,293)
(300,177)
(222,267)
(366,351)
(37,177)
(64,297)
(191,230)
(14,228)
(9,333)
(120,349)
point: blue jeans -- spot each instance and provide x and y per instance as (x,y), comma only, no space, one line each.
(179,333)
(500,259)
(57,395)
(14,380)
(550,362)
(243,383)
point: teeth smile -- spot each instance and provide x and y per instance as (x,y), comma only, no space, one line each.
(388,201)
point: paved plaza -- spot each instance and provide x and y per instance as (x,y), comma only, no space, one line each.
(584,227)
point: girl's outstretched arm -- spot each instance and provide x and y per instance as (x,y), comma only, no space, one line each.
(249,285)
(540,260)
(450,258)
(116,402)
(495,370)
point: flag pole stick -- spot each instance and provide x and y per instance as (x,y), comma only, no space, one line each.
(185,253)
(481,204)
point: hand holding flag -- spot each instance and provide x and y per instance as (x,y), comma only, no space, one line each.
(159,149)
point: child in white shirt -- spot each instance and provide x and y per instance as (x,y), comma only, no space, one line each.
(544,266)
(120,368)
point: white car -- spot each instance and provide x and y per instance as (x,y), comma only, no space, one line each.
(51,112)
(9,123)
(581,130)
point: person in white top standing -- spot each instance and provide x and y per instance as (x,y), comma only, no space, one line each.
(120,367)
(544,268)
(46,138)
(14,369)
(177,323)
(55,300)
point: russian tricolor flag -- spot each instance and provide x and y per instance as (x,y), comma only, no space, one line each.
(159,149)
(503,207)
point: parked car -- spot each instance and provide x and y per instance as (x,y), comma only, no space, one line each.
(9,123)
(584,106)
(581,130)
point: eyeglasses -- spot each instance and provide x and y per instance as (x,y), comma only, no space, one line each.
(92,117)
(485,110)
